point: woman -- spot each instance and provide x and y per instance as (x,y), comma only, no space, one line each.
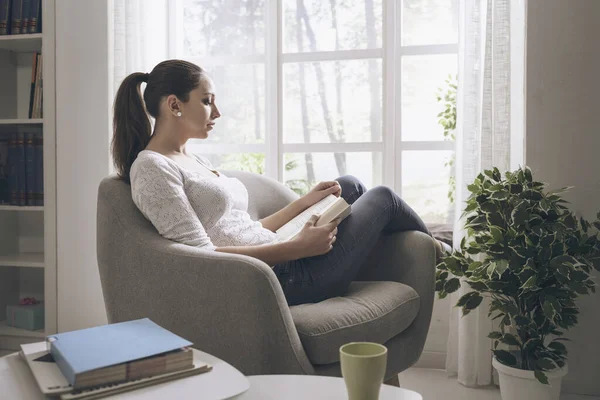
(189,202)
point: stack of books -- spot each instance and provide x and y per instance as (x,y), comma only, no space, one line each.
(22,166)
(19,17)
(102,361)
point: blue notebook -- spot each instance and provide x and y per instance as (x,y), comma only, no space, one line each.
(85,350)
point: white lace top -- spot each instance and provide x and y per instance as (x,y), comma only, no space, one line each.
(188,207)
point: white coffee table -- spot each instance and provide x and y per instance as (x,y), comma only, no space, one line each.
(224,381)
(302,387)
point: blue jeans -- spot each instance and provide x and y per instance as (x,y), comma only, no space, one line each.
(376,211)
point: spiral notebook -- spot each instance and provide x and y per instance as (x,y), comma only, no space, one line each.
(52,382)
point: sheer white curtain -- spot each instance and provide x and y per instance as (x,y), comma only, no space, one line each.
(139,37)
(483,141)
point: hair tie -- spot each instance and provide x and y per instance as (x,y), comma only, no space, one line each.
(145,77)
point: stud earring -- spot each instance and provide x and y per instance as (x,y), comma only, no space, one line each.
(179,113)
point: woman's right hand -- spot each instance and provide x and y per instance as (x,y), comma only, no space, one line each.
(315,241)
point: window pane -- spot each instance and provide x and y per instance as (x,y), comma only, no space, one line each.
(250,162)
(331,25)
(223,27)
(429,22)
(425,184)
(422,76)
(314,111)
(303,170)
(240,97)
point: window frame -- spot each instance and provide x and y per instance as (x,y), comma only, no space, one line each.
(391,54)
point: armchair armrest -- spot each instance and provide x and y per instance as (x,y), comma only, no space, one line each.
(412,255)
(409,258)
(228,305)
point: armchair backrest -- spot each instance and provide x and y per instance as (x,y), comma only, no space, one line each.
(125,236)
(265,195)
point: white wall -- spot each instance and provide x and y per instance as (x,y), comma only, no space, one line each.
(84,79)
(563,138)
(82,130)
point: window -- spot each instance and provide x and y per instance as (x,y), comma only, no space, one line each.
(313,89)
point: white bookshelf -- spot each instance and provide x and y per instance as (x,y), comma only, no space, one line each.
(9,330)
(28,233)
(21,208)
(22,260)
(21,43)
(22,121)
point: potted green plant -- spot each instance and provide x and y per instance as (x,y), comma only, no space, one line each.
(527,252)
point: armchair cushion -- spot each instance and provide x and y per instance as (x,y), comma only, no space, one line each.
(370,311)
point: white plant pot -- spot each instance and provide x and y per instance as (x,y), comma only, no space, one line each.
(519,384)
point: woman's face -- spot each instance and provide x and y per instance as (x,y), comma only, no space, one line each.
(200,111)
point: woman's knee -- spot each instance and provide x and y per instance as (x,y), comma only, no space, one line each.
(386,193)
(350,185)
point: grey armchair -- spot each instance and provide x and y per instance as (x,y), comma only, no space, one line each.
(232,306)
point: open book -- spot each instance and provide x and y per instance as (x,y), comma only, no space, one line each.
(330,208)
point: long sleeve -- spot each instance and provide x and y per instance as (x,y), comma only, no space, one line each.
(158,191)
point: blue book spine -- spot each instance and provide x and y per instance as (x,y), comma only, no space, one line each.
(13,176)
(4,171)
(39,168)
(21,169)
(5,17)
(35,16)
(16,15)
(25,16)
(67,369)
(29,169)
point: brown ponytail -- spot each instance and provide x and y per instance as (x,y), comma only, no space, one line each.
(131,126)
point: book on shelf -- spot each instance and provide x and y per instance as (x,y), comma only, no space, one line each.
(38,144)
(29,189)
(35,17)
(16,16)
(16,162)
(32,86)
(24,15)
(5,8)
(328,209)
(4,169)
(22,166)
(118,352)
(35,92)
(19,17)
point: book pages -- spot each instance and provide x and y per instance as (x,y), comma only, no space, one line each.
(52,382)
(292,228)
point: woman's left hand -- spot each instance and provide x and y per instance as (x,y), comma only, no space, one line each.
(320,191)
